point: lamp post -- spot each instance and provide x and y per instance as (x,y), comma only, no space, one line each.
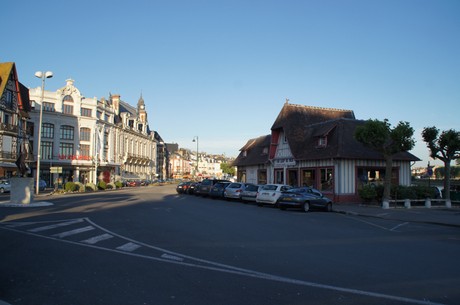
(43,76)
(195,139)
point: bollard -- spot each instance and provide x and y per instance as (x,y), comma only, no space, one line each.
(385,204)
(407,203)
(428,203)
(448,203)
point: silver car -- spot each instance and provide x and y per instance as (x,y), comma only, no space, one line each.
(233,191)
(5,186)
(250,193)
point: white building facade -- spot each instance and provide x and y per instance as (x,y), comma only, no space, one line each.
(89,139)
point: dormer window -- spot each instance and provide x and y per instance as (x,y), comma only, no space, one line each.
(322,141)
(245,153)
(265,151)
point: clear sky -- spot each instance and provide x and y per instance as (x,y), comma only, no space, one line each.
(221,70)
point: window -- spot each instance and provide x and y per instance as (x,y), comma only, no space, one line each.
(84,150)
(99,114)
(86,112)
(85,134)
(46,150)
(65,149)
(67,98)
(66,132)
(47,131)
(9,99)
(67,109)
(326,179)
(48,107)
(308,178)
(322,141)
(30,129)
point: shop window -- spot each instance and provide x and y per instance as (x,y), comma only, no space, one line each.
(326,179)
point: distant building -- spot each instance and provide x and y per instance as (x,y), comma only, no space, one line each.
(14,112)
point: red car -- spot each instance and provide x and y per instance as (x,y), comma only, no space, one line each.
(133,183)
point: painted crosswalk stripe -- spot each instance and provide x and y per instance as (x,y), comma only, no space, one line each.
(58,225)
(129,247)
(97,239)
(73,232)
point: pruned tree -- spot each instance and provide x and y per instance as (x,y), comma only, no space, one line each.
(445,147)
(379,136)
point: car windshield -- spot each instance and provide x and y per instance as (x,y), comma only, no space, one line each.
(269,187)
(235,185)
(251,187)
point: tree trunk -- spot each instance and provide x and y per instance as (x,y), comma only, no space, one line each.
(387,181)
(447,179)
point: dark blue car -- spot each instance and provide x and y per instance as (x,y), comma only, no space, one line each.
(305,198)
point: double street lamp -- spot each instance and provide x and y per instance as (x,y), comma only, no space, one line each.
(43,76)
(195,139)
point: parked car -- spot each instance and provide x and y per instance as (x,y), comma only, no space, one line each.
(133,183)
(217,190)
(5,186)
(182,187)
(207,184)
(250,193)
(269,193)
(305,198)
(193,187)
(41,185)
(233,191)
(196,189)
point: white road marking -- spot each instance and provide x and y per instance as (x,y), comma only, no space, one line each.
(73,232)
(96,239)
(129,247)
(61,224)
(172,257)
(397,226)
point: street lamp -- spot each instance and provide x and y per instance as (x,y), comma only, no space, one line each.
(195,139)
(43,76)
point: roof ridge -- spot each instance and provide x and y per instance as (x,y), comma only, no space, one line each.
(319,108)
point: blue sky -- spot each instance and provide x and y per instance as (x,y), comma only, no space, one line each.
(221,70)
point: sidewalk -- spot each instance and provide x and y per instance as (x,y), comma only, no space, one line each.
(434,215)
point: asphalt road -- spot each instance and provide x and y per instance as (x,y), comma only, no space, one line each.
(149,245)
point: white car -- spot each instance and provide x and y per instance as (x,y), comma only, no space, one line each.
(269,193)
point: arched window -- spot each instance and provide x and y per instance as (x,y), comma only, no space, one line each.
(67,104)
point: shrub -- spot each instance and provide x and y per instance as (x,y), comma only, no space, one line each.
(101,185)
(80,186)
(90,187)
(70,187)
(118,184)
(368,193)
(110,186)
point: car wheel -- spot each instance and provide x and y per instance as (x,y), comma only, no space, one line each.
(260,204)
(329,207)
(306,207)
(282,207)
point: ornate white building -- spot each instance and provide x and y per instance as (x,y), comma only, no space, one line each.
(89,139)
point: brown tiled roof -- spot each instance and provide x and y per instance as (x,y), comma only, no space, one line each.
(252,153)
(341,143)
(293,115)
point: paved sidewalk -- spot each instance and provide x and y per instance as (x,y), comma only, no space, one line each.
(435,215)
